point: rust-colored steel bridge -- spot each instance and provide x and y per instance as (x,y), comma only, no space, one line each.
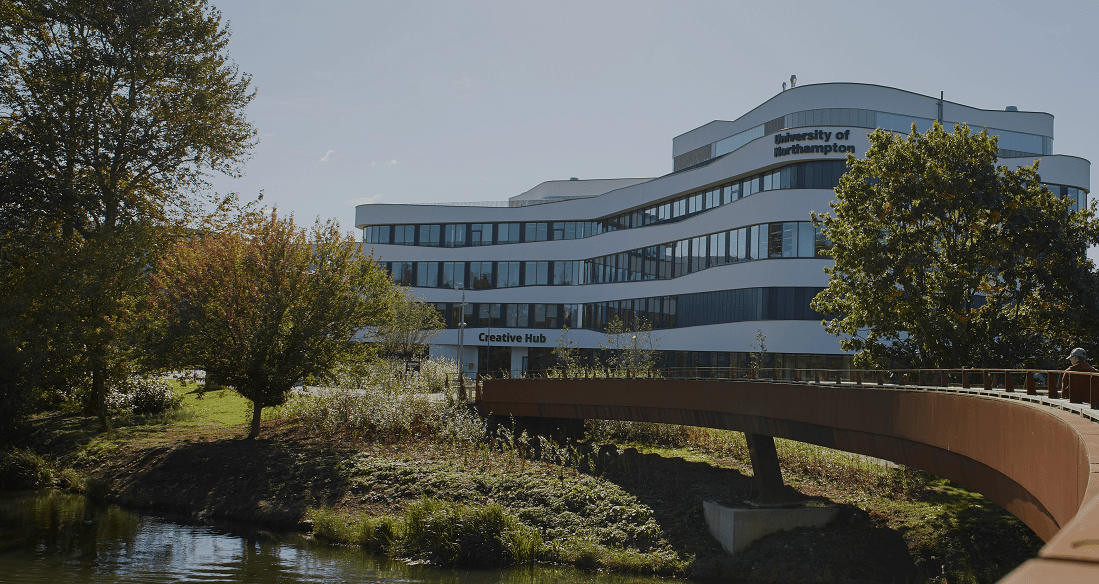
(1005,434)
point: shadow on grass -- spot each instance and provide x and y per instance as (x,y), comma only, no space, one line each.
(851,548)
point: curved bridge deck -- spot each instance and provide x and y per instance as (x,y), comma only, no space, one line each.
(1034,455)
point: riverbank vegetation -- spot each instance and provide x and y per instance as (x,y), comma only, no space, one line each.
(409,472)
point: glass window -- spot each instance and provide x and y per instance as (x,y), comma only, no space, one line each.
(383,234)
(536,232)
(510,315)
(551,316)
(750,186)
(570,230)
(508,233)
(523,315)
(429,235)
(480,275)
(773,244)
(717,250)
(539,316)
(481,234)
(806,237)
(790,239)
(452,274)
(402,273)
(753,250)
(558,231)
(427,274)
(455,235)
(483,316)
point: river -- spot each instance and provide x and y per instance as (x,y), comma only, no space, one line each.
(48,537)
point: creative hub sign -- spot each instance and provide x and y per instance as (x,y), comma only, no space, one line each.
(510,338)
(815,135)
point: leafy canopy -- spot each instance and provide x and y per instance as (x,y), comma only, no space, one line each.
(943,258)
(267,306)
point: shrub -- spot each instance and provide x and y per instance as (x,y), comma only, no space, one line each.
(461,535)
(22,469)
(142,395)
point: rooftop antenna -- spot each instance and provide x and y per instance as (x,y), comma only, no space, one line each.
(793,81)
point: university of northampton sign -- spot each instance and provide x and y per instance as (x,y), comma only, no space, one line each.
(815,135)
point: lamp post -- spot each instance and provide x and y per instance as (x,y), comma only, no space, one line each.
(461,338)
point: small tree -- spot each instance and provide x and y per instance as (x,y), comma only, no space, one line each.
(567,352)
(759,353)
(263,308)
(632,346)
(412,324)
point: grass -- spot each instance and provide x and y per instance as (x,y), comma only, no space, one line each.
(223,407)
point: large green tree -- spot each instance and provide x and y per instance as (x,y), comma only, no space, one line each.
(944,258)
(112,115)
(266,307)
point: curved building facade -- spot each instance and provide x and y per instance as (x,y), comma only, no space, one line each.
(710,255)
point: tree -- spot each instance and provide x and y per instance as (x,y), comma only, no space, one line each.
(263,308)
(410,327)
(945,259)
(112,114)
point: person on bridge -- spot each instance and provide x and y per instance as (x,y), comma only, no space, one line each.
(1080,388)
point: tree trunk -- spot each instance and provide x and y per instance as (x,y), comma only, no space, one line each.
(256,409)
(99,398)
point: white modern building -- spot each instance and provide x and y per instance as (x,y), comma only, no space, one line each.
(709,254)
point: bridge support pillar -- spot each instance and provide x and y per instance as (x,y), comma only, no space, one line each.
(768,475)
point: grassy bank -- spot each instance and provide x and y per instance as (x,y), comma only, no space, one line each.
(409,473)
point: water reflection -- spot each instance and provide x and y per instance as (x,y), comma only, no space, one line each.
(51,537)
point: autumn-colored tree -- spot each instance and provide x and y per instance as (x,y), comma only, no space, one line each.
(943,258)
(265,307)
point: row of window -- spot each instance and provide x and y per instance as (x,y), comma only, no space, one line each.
(1010,143)
(661,312)
(821,174)
(789,239)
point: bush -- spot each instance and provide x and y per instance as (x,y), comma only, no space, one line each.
(388,413)
(142,395)
(451,534)
(22,469)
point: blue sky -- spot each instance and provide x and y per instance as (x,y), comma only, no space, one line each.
(471,101)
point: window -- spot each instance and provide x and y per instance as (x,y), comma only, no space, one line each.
(480,275)
(481,234)
(558,231)
(427,274)
(453,274)
(508,233)
(507,274)
(455,235)
(536,232)
(429,235)
(537,273)
(806,237)
(404,234)
(402,273)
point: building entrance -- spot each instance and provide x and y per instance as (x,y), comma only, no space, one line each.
(493,361)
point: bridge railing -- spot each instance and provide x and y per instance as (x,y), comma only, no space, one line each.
(1075,387)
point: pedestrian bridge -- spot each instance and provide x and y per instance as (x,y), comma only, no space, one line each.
(1005,436)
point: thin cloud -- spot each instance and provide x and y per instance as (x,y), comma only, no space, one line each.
(392,162)
(362,201)
(326,155)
